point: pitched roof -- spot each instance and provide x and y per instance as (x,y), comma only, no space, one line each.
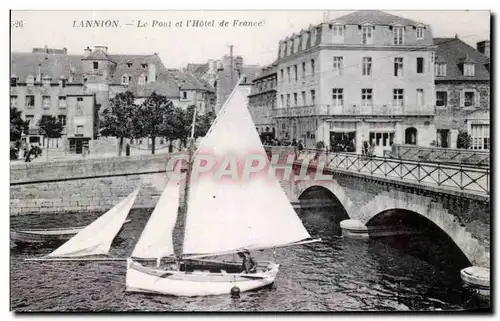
(187,81)
(24,64)
(375,17)
(454,52)
(57,65)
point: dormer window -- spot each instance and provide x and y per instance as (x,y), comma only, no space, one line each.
(337,33)
(129,64)
(13,81)
(30,80)
(440,69)
(469,70)
(46,81)
(125,80)
(144,65)
(367,35)
(95,65)
(420,33)
(398,35)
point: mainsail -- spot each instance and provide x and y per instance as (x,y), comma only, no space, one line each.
(96,238)
(156,239)
(228,215)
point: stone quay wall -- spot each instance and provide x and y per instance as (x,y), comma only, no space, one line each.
(86,184)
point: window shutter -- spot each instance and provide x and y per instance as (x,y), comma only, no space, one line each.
(462,98)
(477,97)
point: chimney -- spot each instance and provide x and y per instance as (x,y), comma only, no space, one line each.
(456,36)
(86,52)
(102,48)
(151,73)
(211,66)
(39,73)
(484,47)
(65,50)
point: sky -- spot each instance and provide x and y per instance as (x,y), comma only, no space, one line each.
(180,45)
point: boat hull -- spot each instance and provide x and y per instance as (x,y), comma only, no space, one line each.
(173,282)
(45,237)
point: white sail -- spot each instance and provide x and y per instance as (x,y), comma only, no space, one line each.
(97,237)
(232,214)
(156,239)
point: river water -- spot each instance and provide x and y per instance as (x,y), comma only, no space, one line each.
(335,275)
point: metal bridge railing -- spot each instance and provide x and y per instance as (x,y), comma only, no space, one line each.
(442,155)
(462,177)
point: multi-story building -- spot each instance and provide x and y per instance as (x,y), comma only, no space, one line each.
(262,100)
(462,92)
(76,88)
(366,76)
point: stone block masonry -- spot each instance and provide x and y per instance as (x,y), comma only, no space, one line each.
(86,185)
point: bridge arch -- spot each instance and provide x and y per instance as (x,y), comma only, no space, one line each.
(434,212)
(337,192)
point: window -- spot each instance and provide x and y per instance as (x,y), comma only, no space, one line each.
(480,134)
(313,67)
(144,65)
(288,73)
(46,102)
(469,70)
(398,36)
(420,65)
(433,55)
(129,64)
(398,67)
(125,80)
(62,119)
(420,97)
(440,69)
(95,65)
(468,100)
(30,80)
(79,130)
(29,119)
(398,97)
(337,34)
(420,33)
(13,81)
(288,100)
(313,97)
(62,101)
(303,70)
(13,101)
(338,65)
(30,101)
(382,139)
(441,98)
(337,97)
(296,72)
(366,97)
(184,95)
(282,101)
(367,35)
(84,80)
(367,66)
(142,80)
(282,74)
(304,102)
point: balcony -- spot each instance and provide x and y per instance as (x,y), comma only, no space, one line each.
(353,110)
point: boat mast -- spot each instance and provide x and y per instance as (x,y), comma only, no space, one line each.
(188,178)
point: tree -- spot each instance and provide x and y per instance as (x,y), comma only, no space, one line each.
(118,120)
(17,125)
(152,117)
(463,140)
(50,127)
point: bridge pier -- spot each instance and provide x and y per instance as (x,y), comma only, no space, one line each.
(477,278)
(354,229)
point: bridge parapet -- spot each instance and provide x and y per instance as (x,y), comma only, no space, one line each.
(464,179)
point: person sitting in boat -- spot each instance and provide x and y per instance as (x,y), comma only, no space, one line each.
(248,264)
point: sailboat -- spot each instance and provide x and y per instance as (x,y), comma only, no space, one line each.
(220,218)
(94,240)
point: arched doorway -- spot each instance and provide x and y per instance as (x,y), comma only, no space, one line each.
(411,136)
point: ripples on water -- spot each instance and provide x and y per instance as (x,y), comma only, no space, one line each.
(335,275)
